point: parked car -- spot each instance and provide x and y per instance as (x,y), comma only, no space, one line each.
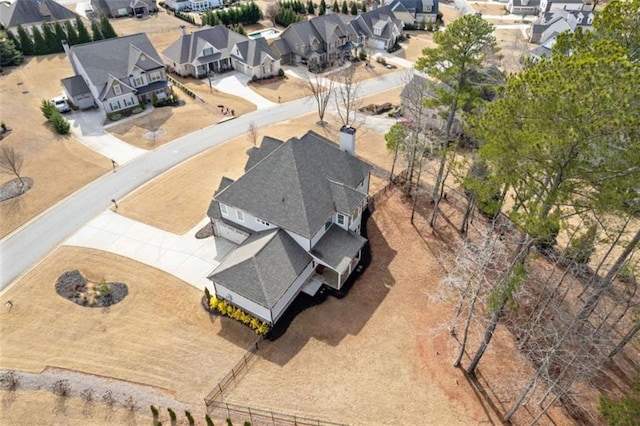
(61,104)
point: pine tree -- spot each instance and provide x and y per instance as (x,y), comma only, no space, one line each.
(60,36)
(9,54)
(83,33)
(335,7)
(345,8)
(72,35)
(50,41)
(26,43)
(364,7)
(106,29)
(354,9)
(323,8)
(311,9)
(95,30)
(39,44)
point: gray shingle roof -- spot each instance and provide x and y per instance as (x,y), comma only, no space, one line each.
(256,154)
(188,48)
(345,199)
(30,12)
(214,207)
(379,17)
(338,247)
(75,85)
(116,57)
(418,6)
(320,28)
(291,187)
(263,267)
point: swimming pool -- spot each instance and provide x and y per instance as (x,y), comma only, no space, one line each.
(266,33)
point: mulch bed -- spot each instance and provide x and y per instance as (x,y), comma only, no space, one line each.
(74,287)
(205,232)
(15,188)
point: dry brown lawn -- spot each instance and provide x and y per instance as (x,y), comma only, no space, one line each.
(176,187)
(58,165)
(283,90)
(362,72)
(214,97)
(489,9)
(513,47)
(18,409)
(159,335)
(382,355)
(414,45)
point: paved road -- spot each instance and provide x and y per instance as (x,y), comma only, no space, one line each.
(30,243)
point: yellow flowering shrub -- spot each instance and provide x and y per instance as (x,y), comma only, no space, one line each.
(225,308)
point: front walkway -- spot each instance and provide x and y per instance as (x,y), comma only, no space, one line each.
(87,128)
(183,256)
(235,83)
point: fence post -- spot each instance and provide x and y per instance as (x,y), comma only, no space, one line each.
(228,412)
(273,419)
(250,416)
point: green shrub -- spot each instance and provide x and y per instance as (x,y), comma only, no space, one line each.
(626,274)
(229,422)
(136,110)
(154,412)
(189,418)
(247,423)
(254,78)
(207,294)
(280,72)
(225,308)
(172,414)
(114,116)
(582,248)
(60,124)
(48,109)
(208,420)
(3,126)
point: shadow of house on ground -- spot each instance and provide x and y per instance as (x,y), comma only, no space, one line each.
(331,315)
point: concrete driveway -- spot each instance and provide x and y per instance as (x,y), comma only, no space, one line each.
(236,83)
(183,256)
(87,127)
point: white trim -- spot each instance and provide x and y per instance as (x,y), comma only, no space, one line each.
(240,215)
(223,209)
(340,219)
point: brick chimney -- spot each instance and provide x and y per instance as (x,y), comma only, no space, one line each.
(348,139)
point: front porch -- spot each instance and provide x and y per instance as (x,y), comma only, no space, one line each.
(337,255)
(217,66)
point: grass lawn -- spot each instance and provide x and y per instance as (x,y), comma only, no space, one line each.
(59,165)
(283,90)
(159,335)
(177,188)
(363,72)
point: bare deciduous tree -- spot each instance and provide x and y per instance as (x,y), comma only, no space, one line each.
(348,98)
(321,90)
(271,11)
(11,162)
(252,133)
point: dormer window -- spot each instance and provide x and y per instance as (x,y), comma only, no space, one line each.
(117,89)
(341,219)
(207,51)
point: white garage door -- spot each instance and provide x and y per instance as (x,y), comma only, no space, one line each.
(376,44)
(230,233)
(84,101)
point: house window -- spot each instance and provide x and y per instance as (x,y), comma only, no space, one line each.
(341,219)
(263,222)
(138,81)
(223,209)
(155,76)
(327,225)
(240,215)
(117,89)
(207,51)
(377,31)
(128,102)
(114,105)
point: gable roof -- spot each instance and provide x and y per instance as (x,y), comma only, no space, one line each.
(417,6)
(292,186)
(256,154)
(263,267)
(75,85)
(31,12)
(320,28)
(338,247)
(377,18)
(115,58)
(188,48)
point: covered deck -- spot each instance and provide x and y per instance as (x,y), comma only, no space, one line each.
(337,253)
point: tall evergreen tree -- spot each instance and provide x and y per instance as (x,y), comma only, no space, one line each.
(83,33)
(39,44)
(12,37)
(345,9)
(60,35)
(335,7)
(9,54)
(50,40)
(72,35)
(26,42)
(364,7)
(323,8)
(354,9)
(105,27)
(311,9)
(95,31)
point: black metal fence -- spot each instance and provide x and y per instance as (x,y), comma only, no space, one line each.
(267,417)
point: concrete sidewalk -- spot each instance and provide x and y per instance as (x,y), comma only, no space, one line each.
(236,84)
(87,127)
(183,256)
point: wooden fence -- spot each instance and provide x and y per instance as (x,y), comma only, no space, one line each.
(231,376)
(267,417)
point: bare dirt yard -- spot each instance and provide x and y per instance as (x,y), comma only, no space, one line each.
(489,9)
(59,165)
(175,188)
(382,355)
(159,335)
(513,47)
(280,89)
(412,47)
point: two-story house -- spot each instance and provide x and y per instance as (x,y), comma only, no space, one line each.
(379,28)
(321,42)
(296,214)
(415,12)
(115,74)
(550,24)
(118,8)
(30,13)
(216,49)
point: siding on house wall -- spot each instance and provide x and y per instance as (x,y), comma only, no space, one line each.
(249,220)
(302,241)
(242,302)
(130,98)
(291,293)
